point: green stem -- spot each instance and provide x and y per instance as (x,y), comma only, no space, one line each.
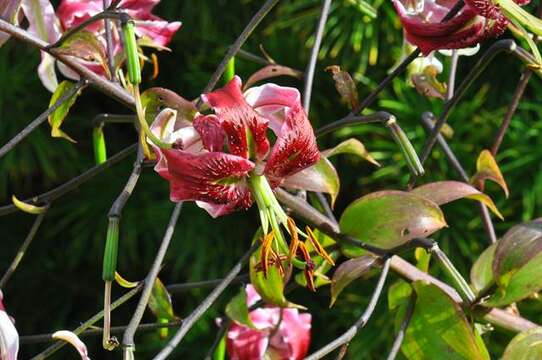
(461,283)
(515,12)
(143,122)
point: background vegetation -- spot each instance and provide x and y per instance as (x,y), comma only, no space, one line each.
(58,284)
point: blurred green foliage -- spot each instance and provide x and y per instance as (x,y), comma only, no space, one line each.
(58,283)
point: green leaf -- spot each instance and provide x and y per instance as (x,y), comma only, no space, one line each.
(237,309)
(443,192)
(220,352)
(351,146)
(387,219)
(487,169)
(321,177)
(59,115)
(349,271)
(160,301)
(517,264)
(481,273)
(86,46)
(156,99)
(526,345)
(439,326)
(398,293)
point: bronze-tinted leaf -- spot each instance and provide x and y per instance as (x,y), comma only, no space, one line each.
(86,46)
(156,99)
(481,273)
(351,146)
(349,271)
(345,85)
(271,71)
(487,169)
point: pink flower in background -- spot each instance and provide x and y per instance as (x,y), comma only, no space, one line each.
(9,338)
(213,157)
(73,12)
(290,341)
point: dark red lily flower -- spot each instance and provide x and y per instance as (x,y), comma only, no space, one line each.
(213,158)
(426,30)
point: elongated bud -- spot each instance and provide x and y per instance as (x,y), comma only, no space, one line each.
(111,250)
(230,71)
(98,142)
(411,157)
(130,49)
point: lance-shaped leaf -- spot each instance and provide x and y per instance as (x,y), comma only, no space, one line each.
(517,264)
(345,85)
(154,100)
(161,307)
(59,115)
(387,219)
(487,169)
(349,271)
(271,71)
(44,24)
(321,177)
(439,327)
(350,146)
(237,309)
(481,273)
(86,46)
(443,192)
(74,340)
(526,345)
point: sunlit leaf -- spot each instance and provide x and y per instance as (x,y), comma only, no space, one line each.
(125,283)
(443,192)
(28,208)
(321,177)
(271,71)
(526,345)
(439,326)
(345,85)
(237,309)
(161,306)
(387,219)
(398,294)
(481,273)
(351,146)
(349,271)
(517,264)
(59,115)
(86,46)
(270,288)
(487,169)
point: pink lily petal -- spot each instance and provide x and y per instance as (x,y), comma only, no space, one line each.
(159,31)
(9,9)
(488,8)
(243,343)
(237,116)
(271,101)
(293,338)
(9,338)
(295,148)
(74,340)
(211,132)
(73,12)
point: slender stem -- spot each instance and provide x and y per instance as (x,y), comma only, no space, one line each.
(120,201)
(402,329)
(252,57)
(180,288)
(72,184)
(256,19)
(109,42)
(22,250)
(512,107)
(461,283)
(87,324)
(108,342)
(190,320)
(325,206)
(453,71)
(128,337)
(360,323)
(348,120)
(113,119)
(40,119)
(40,338)
(309,72)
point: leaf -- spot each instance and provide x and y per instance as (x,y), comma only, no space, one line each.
(349,271)
(321,177)
(481,273)
(423,258)
(398,294)
(487,169)
(526,345)
(439,326)
(86,46)
(345,85)
(28,208)
(427,84)
(443,192)
(350,146)
(156,99)
(271,71)
(387,219)
(57,117)
(237,309)
(517,264)
(160,302)
(125,283)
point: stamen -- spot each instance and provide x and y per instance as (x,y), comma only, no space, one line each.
(309,266)
(264,253)
(155,68)
(294,243)
(318,247)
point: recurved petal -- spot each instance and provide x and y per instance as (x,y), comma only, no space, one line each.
(159,31)
(73,12)
(210,131)
(237,116)
(272,101)
(211,177)
(295,148)
(9,338)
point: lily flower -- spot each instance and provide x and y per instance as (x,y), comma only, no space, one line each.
(277,334)
(9,338)
(424,28)
(224,161)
